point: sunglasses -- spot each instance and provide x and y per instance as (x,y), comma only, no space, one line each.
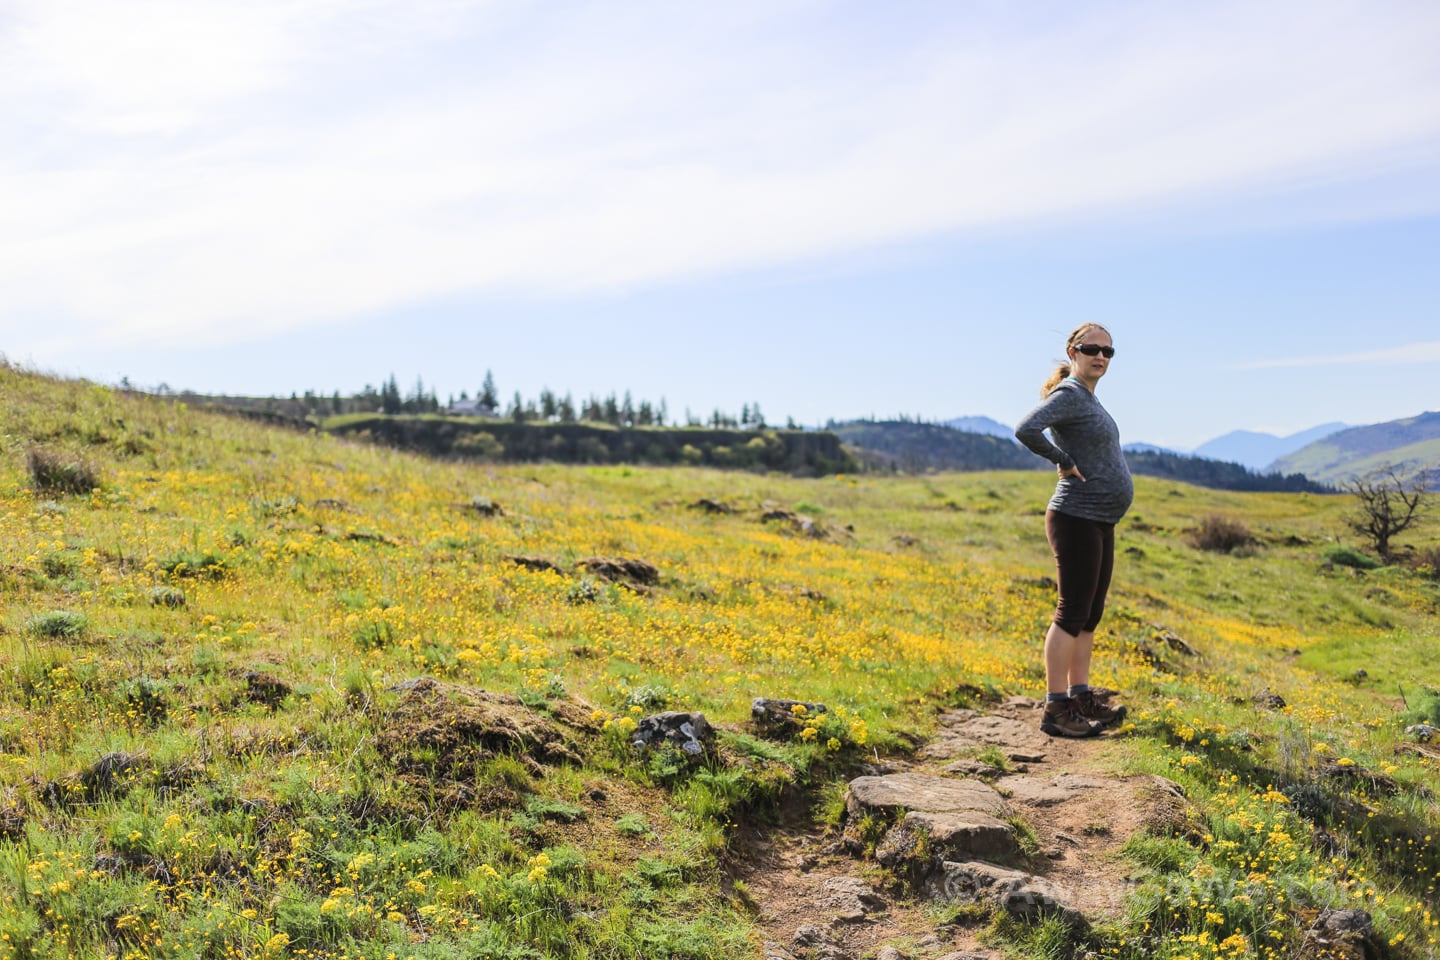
(1095,350)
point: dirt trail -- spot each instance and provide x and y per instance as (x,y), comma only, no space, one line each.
(815,900)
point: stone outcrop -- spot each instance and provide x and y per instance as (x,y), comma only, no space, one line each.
(1019,894)
(922,792)
(690,733)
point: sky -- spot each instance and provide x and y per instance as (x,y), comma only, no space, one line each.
(829,209)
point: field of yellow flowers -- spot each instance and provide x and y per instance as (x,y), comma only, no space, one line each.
(214,740)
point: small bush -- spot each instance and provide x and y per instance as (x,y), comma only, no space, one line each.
(164,596)
(55,472)
(1221,535)
(203,566)
(1350,557)
(59,625)
(1427,562)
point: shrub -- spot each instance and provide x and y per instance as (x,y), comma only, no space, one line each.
(204,566)
(55,472)
(1350,557)
(480,445)
(1427,562)
(59,625)
(1221,535)
(163,596)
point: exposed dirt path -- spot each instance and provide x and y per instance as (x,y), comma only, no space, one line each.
(815,900)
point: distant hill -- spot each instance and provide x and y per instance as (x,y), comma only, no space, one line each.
(1259,450)
(924,447)
(983,425)
(1411,444)
(1218,474)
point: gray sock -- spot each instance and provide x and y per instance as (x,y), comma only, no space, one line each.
(1056,697)
(1079,689)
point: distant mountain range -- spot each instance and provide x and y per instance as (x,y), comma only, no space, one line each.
(1329,454)
(1259,450)
(991,428)
(1409,445)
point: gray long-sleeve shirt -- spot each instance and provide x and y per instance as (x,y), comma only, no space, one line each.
(1086,437)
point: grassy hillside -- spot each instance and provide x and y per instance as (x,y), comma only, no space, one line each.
(1411,444)
(214,741)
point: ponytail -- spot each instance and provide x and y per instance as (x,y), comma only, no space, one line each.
(1061,372)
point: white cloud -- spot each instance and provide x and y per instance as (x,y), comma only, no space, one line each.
(213,170)
(1428,352)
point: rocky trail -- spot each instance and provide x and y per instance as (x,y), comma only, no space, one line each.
(1038,837)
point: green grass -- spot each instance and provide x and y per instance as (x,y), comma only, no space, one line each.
(199,671)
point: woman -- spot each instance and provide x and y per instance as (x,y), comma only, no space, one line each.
(1093,493)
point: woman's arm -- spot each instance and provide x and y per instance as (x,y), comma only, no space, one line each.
(1056,408)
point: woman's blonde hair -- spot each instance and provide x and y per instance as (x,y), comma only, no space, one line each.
(1077,337)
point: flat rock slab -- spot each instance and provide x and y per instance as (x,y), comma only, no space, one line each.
(977,732)
(1019,894)
(923,792)
(1056,790)
(963,836)
(850,898)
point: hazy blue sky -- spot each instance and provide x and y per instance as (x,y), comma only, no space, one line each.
(833,209)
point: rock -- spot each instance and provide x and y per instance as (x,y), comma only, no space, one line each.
(538,564)
(1268,701)
(1048,793)
(689,732)
(890,953)
(920,792)
(904,540)
(851,898)
(1422,732)
(958,736)
(1019,894)
(486,507)
(1174,641)
(779,717)
(809,935)
(973,768)
(773,951)
(628,571)
(963,836)
(1341,935)
(712,506)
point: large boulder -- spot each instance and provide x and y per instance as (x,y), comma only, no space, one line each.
(886,795)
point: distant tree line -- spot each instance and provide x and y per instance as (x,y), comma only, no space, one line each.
(617,410)
(811,452)
(1219,474)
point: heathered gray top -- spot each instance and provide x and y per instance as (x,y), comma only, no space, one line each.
(1086,437)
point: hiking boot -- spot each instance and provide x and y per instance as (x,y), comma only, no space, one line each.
(1089,706)
(1062,719)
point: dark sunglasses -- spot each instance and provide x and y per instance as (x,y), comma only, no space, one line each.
(1095,350)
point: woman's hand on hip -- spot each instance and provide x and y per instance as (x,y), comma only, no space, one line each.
(1072,472)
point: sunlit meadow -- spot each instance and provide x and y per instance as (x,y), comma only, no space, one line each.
(204,659)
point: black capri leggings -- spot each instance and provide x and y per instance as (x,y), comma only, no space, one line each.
(1084,559)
